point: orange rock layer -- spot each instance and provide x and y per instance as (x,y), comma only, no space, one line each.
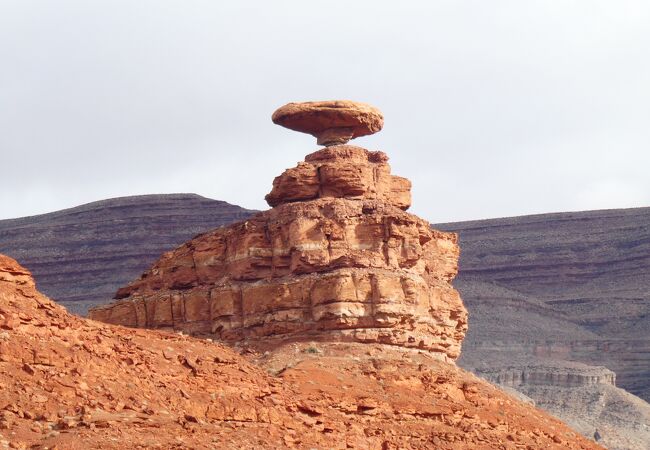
(341,171)
(350,265)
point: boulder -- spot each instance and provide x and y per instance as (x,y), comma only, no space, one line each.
(331,122)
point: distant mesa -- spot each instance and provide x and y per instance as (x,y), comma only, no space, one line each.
(332,122)
(82,255)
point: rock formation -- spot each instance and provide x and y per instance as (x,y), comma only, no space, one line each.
(85,252)
(336,258)
(342,312)
(76,384)
(585,397)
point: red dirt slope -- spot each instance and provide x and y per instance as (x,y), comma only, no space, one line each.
(71,383)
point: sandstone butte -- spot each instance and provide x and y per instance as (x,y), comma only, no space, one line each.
(337,328)
(336,258)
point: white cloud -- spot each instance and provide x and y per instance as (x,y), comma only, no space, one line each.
(613,193)
(492,108)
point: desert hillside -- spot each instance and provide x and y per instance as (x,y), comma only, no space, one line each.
(72,383)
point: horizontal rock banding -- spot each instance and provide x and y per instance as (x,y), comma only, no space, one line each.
(336,258)
(587,271)
(346,305)
(306,237)
(342,171)
(81,256)
(383,269)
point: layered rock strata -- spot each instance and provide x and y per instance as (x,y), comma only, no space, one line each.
(549,292)
(336,258)
(342,171)
(544,372)
(586,270)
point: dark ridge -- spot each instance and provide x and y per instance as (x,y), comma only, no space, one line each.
(590,268)
(80,256)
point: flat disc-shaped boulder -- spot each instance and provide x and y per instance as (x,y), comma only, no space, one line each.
(331,122)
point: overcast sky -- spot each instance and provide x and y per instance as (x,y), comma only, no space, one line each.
(492,108)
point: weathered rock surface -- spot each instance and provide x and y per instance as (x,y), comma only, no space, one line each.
(341,171)
(331,122)
(612,416)
(73,383)
(544,372)
(349,266)
(583,396)
(81,256)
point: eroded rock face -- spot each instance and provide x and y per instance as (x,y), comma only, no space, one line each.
(337,258)
(342,171)
(14,273)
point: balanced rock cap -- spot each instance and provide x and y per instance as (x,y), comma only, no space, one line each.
(332,122)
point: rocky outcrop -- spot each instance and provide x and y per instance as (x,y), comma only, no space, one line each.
(360,270)
(583,396)
(560,378)
(337,258)
(342,171)
(15,275)
(611,416)
(73,383)
(548,373)
(81,256)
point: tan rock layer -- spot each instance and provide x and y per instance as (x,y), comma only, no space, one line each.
(306,237)
(335,268)
(342,171)
(344,305)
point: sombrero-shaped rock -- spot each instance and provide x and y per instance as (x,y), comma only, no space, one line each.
(331,122)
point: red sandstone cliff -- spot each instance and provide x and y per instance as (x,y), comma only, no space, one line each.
(336,258)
